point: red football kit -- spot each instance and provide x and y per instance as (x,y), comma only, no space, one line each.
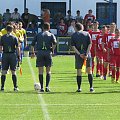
(115,51)
(93,37)
(115,56)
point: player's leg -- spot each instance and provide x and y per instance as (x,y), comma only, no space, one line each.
(117,70)
(79,79)
(5,67)
(48,78)
(13,63)
(48,64)
(40,70)
(40,63)
(89,71)
(105,70)
(78,65)
(97,67)
(113,67)
(22,49)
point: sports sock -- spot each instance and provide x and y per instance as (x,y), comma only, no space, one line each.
(98,68)
(117,75)
(110,69)
(48,79)
(101,69)
(104,71)
(79,80)
(93,66)
(90,79)
(113,73)
(41,80)
(3,77)
(14,78)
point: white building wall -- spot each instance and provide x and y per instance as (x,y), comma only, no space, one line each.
(11,4)
(85,5)
(35,8)
(35,5)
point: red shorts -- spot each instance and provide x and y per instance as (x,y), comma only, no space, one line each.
(99,55)
(105,57)
(92,52)
(115,61)
(93,49)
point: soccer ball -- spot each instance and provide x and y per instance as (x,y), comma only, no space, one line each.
(37,86)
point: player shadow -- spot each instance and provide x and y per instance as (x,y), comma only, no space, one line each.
(74,92)
(61,92)
(20,92)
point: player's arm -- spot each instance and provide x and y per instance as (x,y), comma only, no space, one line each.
(17,48)
(1,46)
(54,43)
(89,45)
(32,47)
(25,38)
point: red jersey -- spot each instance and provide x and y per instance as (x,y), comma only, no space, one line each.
(114,46)
(110,36)
(99,40)
(62,29)
(91,17)
(105,40)
(94,36)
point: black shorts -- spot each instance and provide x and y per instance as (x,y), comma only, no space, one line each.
(79,62)
(44,58)
(9,60)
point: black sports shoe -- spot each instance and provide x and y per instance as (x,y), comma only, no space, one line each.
(79,90)
(47,89)
(16,89)
(92,90)
(41,90)
(2,89)
(97,75)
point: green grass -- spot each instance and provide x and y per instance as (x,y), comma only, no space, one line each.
(63,103)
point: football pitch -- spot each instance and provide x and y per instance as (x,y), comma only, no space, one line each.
(62,103)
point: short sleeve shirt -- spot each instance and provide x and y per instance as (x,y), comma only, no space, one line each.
(81,40)
(44,40)
(9,43)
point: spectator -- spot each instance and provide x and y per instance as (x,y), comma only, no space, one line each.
(89,16)
(68,17)
(6,16)
(32,21)
(46,15)
(71,28)
(15,16)
(57,18)
(25,18)
(62,28)
(78,17)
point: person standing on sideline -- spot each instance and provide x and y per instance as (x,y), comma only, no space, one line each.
(46,43)
(9,44)
(81,44)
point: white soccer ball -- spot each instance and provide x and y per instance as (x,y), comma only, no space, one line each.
(37,86)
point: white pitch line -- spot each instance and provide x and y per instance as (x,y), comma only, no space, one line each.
(41,99)
(60,104)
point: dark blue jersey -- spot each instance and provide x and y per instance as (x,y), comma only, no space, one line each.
(44,41)
(9,43)
(81,40)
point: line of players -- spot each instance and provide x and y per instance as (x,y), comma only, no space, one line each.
(106,50)
(20,33)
